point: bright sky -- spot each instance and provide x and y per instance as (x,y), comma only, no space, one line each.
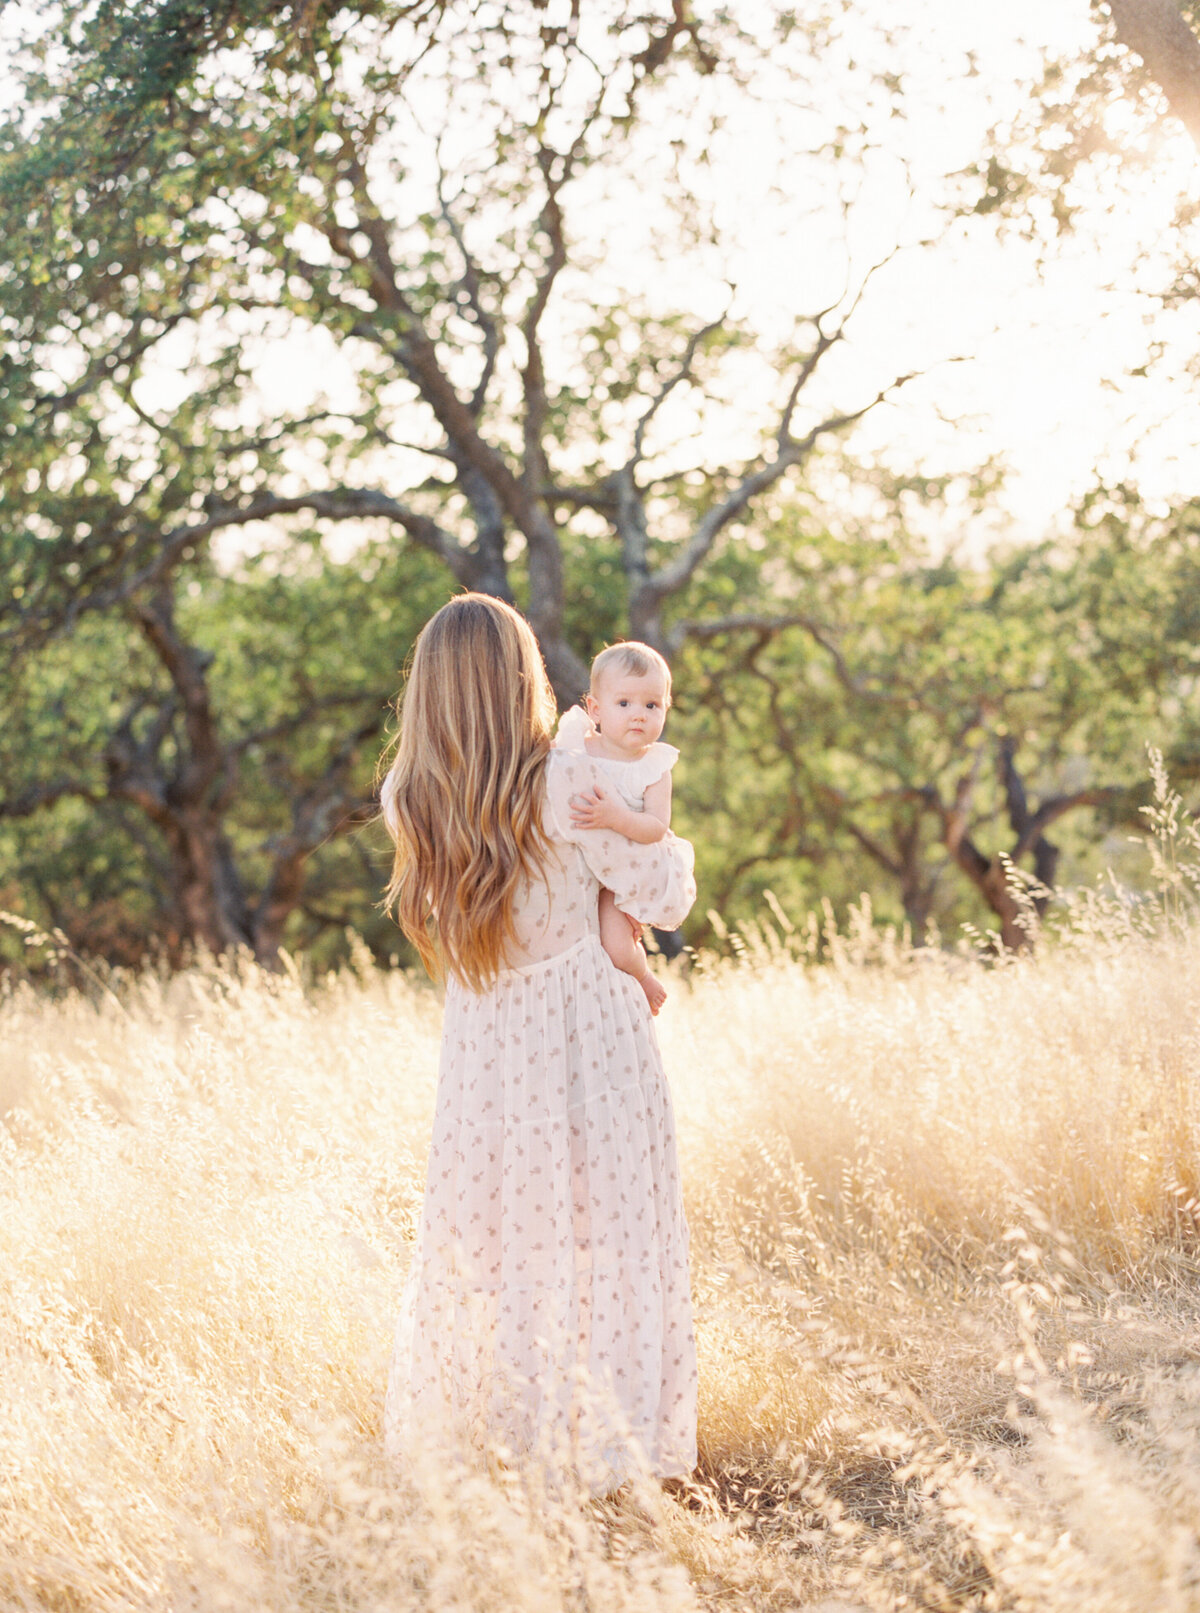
(1044,351)
(1047,388)
(1046,348)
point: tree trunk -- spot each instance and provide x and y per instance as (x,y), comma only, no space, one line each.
(918,910)
(186,790)
(917,885)
(567,673)
(1000,898)
(210,901)
(1155,31)
(989,875)
(277,904)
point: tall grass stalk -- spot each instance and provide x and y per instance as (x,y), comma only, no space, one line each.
(946,1241)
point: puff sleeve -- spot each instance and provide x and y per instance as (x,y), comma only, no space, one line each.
(654,883)
(574,727)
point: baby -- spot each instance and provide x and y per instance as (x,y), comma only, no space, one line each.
(626,708)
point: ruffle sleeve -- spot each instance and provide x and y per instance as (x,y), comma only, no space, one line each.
(654,883)
(648,769)
(574,729)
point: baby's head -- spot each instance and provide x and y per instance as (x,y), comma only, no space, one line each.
(635,660)
(630,694)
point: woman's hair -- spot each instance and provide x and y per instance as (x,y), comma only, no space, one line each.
(631,657)
(462,798)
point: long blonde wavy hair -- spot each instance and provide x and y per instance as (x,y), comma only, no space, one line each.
(462,798)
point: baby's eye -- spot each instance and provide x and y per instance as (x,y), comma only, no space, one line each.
(622,702)
(652,705)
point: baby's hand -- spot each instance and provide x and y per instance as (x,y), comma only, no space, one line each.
(595,809)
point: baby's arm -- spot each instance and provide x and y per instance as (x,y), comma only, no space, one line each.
(601,809)
(657,801)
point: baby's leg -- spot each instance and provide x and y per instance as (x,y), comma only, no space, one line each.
(622,943)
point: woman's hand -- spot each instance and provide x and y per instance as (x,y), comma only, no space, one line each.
(596,809)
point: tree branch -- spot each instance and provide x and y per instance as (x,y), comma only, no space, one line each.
(954,817)
(472,284)
(600,498)
(1054,808)
(533,375)
(325,808)
(791,451)
(301,718)
(126,353)
(681,372)
(336,504)
(1015,798)
(869,844)
(206,761)
(661,45)
(36,796)
(417,351)
(767,626)
(627,506)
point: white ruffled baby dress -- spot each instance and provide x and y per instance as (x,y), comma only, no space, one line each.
(631,780)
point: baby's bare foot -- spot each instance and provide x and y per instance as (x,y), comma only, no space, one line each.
(656,993)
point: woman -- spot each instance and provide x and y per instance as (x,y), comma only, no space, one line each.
(548,1308)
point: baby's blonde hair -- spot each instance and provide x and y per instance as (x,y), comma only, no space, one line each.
(462,800)
(632,657)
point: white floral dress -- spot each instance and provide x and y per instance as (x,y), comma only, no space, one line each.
(548,1308)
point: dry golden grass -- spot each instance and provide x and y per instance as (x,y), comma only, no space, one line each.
(944,1221)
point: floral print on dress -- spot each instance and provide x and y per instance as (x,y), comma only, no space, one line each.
(548,1306)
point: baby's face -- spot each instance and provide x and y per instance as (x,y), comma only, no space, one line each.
(629,710)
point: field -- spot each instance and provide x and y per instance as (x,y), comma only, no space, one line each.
(944,1218)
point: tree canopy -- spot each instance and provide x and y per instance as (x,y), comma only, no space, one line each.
(193,180)
(313,313)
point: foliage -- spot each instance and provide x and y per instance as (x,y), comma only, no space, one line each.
(430,201)
(183,186)
(414,196)
(876,702)
(887,738)
(290,645)
(1093,115)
